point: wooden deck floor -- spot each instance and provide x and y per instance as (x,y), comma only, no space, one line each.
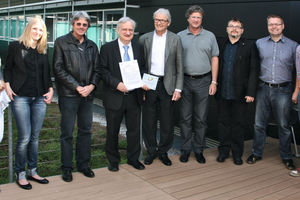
(267,179)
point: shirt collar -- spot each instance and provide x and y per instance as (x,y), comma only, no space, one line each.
(228,41)
(121,44)
(164,35)
(76,40)
(282,39)
(189,32)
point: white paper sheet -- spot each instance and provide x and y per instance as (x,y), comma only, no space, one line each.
(131,74)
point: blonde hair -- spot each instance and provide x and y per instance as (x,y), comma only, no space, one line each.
(26,36)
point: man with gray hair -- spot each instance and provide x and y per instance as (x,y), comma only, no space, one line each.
(163,51)
(117,99)
(200,63)
(77,75)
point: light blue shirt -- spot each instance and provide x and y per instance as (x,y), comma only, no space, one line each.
(277,59)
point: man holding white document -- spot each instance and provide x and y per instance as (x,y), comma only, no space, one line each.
(122,65)
(163,52)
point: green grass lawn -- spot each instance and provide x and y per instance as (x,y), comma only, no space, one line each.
(49,146)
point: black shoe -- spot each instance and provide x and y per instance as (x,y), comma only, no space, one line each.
(136,164)
(200,158)
(289,164)
(67,176)
(164,158)
(25,187)
(113,167)
(222,158)
(238,161)
(42,181)
(184,157)
(88,172)
(149,159)
(253,158)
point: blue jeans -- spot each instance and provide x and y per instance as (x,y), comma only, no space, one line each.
(70,107)
(278,100)
(29,113)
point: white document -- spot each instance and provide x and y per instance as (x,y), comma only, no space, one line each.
(131,76)
(4,100)
(150,81)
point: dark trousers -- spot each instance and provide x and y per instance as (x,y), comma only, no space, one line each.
(231,127)
(155,98)
(70,107)
(132,111)
(194,104)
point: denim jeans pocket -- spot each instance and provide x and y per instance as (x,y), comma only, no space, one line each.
(286,89)
(260,84)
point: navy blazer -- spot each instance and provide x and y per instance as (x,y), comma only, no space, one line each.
(245,69)
(110,57)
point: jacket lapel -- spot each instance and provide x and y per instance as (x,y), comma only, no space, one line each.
(239,51)
(169,41)
(149,43)
(116,51)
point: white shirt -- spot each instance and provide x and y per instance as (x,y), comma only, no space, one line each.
(158,54)
(122,50)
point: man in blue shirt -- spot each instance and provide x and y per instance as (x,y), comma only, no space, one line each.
(277,58)
(238,78)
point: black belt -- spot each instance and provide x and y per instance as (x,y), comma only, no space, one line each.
(197,76)
(277,85)
(160,78)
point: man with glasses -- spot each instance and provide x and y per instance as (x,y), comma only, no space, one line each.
(118,100)
(77,74)
(200,61)
(274,93)
(163,52)
(238,78)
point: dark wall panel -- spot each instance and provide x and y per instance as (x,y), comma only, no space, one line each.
(217,13)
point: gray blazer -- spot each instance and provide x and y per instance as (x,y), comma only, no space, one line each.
(173,78)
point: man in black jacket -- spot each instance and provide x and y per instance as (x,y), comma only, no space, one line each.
(118,100)
(238,79)
(77,74)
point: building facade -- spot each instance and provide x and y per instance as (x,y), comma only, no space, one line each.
(14,14)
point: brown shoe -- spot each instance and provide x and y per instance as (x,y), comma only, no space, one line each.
(289,164)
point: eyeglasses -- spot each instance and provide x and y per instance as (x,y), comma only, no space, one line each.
(196,17)
(236,27)
(274,25)
(127,29)
(79,24)
(162,21)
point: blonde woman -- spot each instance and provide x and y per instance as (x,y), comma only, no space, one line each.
(28,85)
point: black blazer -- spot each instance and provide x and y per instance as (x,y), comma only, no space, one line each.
(110,57)
(15,71)
(245,70)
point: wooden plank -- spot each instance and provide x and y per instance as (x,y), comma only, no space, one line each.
(207,184)
(267,179)
(254,185)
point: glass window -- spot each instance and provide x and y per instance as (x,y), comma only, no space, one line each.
(49,24)
(2,27)
(21,25)
(13,27)
(62,24)
(111,25)
(93,32)
(6,27)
